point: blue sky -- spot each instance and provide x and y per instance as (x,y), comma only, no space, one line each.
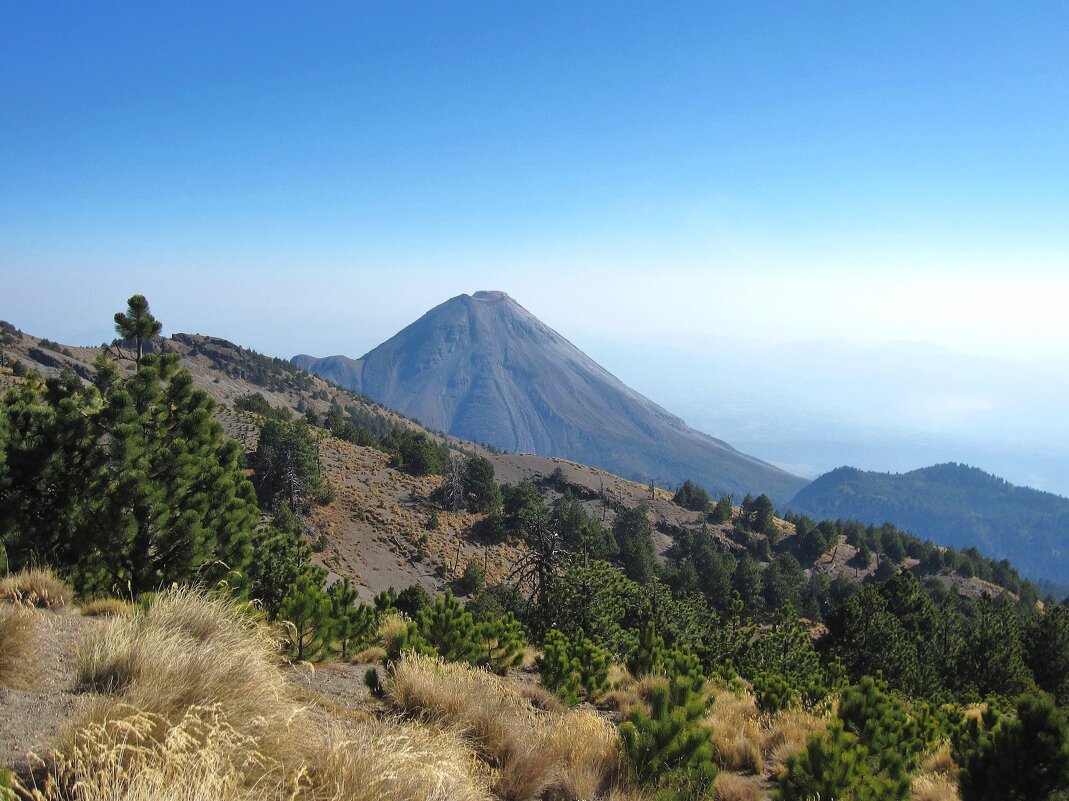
(637,174)
(435,148)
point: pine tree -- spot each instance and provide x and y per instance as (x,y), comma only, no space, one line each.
(125,481)
(306,612)
(447,627)
(137,323)
(558,667)
(1025,758)
(669,747)
(502,643)
(353,621)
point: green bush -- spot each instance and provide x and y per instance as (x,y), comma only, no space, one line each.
(1023,758)
(867,753)
(450,630)
(559,668)
(501,643)
(474,578)
(668,748)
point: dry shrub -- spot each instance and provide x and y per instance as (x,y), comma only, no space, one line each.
(787,734)
(18,658)
(623,700)
(390,628)
(737,738)
(106,607)
(734,787)
(35,587)
(138,756)
(186,650)
(536,751)
(934,787)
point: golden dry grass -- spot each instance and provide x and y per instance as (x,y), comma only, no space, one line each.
(735,787)
(934,787)
(196,707)
(738,731)
(571,752)
(787,734)
(18,658)
(35,587)
(374,655)
(106,607)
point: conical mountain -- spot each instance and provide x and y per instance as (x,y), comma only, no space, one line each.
(483,368)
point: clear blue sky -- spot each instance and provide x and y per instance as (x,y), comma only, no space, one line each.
(873,170)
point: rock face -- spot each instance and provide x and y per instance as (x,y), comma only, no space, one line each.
(483,368)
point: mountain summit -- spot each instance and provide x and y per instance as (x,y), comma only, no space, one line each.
(483,368)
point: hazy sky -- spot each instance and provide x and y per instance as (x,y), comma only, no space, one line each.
(312,177)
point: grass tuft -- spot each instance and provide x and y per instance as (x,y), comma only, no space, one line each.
(18,657)
(196,706)
(106,607)
(734,787)
(536,751)
(35,587)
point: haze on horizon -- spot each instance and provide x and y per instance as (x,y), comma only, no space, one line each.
(828,236)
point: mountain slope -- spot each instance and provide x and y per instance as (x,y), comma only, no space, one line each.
(483,368)
(953,505)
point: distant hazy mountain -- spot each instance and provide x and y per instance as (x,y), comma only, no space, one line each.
(481,367)
(953,505)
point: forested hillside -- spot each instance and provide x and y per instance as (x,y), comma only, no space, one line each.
(954,505)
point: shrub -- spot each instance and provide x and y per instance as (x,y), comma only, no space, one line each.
(474,578)
(551,754)
(867,752)
(306,613)
(450,630)
(669,748)
(570,667)
(502,643)
(106,607)
(691,496)
(559,669)
(1024,758)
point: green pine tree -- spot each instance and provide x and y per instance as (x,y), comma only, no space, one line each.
(307,614)
(447,627)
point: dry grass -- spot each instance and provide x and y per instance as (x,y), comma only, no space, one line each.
(589,749)
(572,752)
(738,734)
(787,734)
(18,657)
(35,587)
(375,655)
(106,607)
(941,761)
(197,707)
(734,787)
(934,787)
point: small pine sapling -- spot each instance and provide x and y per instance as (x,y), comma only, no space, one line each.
(450,630)
(352,622)
(669,748)
(306,612)
(501,643)
(560,671)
